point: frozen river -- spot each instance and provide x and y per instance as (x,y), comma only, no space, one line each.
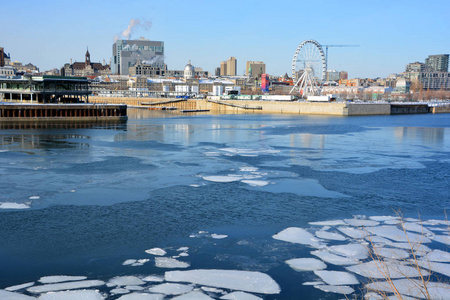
(211,197)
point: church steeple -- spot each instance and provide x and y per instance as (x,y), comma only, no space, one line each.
(87,57)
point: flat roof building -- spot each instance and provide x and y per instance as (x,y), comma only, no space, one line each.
(437,63)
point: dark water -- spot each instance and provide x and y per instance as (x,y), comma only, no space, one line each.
(104,193)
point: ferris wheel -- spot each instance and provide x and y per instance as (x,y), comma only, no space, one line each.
(308,68)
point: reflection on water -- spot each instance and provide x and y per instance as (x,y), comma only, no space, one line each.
(426,135)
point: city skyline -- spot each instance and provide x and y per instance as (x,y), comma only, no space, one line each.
(390,34)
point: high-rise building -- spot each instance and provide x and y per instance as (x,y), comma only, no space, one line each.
(231,66)
(256,68)
(437,63)
(415,67)
(223,68)
(127,53)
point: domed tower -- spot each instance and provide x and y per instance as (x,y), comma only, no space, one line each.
(189,71)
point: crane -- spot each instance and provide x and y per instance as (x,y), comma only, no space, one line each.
(326,52)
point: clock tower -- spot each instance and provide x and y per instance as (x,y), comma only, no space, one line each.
(88,58)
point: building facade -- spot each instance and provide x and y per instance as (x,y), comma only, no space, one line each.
(232,66)
(86,68)
(255,68)
(437,63)
(127,53)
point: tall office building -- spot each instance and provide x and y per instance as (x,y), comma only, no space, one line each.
(437,63)
(231,66)
(127,53)
(223,68)
(256,68)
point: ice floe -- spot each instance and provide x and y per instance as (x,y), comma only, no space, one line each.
(153,278)
(398,235)
(383,218)
(5,295)
(337,277)
(73,295)
(156,251)
(410,226)
(298,236)
(83,284)
(13,205)
(338,289)
(248,169)
(306,264)
(247,281)
(385,269)
(413,288)
(119,291)
(19,287)
(124,281)
(392,253)
(437,267)
(356,251)
(229,178)
(60,278)
(129,262)
(142,296)
(240,296)
(219,236)
(194,295)
(170,263)
(361,222)
(255,182)
(437,256)
(327,235)
(444,239)
(328,223)
(34,198)
(171,288)
(356,233)
(334,259)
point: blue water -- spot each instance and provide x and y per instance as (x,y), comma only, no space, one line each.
(105,192)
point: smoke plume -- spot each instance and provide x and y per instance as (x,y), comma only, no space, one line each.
(132,26)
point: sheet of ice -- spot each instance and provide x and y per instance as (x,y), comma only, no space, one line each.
(398,235)
(73,295)
(142,296)
(413,288)
(219,236)
(184,254)
(301,187)
(339,289)
(419,249)
(361,222)
(182,249)
(171,288)
(156,251)
(438,267)
(438,256)
(306,264)
(19,286)
(298,236)
(356,251)
(5,295)
(327,235)
(334,259)
(437,222)
(61,278)
(153,278)
(134,287)
(249,152)
(34,198)
(65,286)
(248,169)
(240,296)
(129,262)
(140,262)
(170,263)
(247,281)
(125,280)
(328,223)
(255,182)
(356,233)
(13,205)
(392,253)
(337,277)
(411,226)
(375,239)
(383,218)
(313,283)
(444,239)
(119,291)
(229,178)
(194,295)
(385,269)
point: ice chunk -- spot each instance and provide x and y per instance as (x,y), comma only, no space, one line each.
(240,296)
(248,169)
(171,288)
(385,269)
(328,223)
(34,198)
(219,236)
(298,236)
(398,235)
(153,278)
(313,283)
(142,296)
(438,255)
(337,277)
(377,239)
(65,286)
(13,205)
(331,258)
(134,288)
(194,295)
(435,266)
(306,264)
(223,178)
(184,254)
(361,222)
(247,281)
(330,235)
(124,281)
(156,251)
(170,263)
(444,239)
(62,278)
(129,262)
(413,288)
(19,287)
(356,251)
(340,289)
(390,252)
(410,226)
(5,295)
(383,218)
(119,291)
(255,182)
(356,233)
(73,295)
(181,249)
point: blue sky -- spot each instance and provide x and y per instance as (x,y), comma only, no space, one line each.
(391,33)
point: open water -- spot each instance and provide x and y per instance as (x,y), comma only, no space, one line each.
(81,199)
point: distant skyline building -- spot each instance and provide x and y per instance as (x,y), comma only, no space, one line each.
(333,75)
(2,57)
(343,75)
(437,63)
(127,53)
(86,68)
(415,67)
(228,67)
(257,68)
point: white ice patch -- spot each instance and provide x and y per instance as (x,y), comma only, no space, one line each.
(438,256)
(435,266)
(413,288)
(171,289)
(306,264)
(444,239)
(339,289)
(255,182)
(65,286)
(249,152)
(248,169)
(125,280)
(194,295)
(181,249)
(298,236)
(134,288)
(5,295)
(337,277)
(417,228)
(356,251)
(334,259)
(392,253)
(313,283)
(62,278)
(153,278)
(356,233)
(383,218)
(170,263)
(156,251)
(248,281)
(218,236)
(385,269)
(129,262)
(224,179)
(119,291)
(19,287)
(361,222)
(142,296)
(398,235)
(330,235)
(328,223)
(13,205)
(34,198)
(240,296)
(73,295)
